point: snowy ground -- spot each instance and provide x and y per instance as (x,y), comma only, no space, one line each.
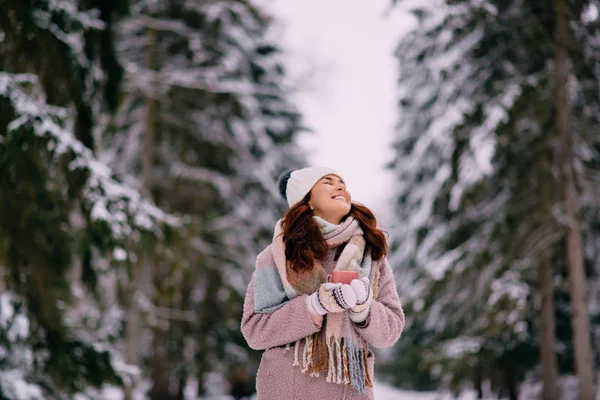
(385,392)
(382,392)
(568,387)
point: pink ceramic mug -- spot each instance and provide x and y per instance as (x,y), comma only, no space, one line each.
(342,276)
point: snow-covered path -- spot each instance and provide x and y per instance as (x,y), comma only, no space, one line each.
(385,392)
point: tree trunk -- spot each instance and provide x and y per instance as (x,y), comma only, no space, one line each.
(159,367)
(134,321)
(574,251)
(209,317)
(548,361)
(181,387)
(140,274)
(185,346)
(151,118)
(547,329)
(511,383)
(478,380)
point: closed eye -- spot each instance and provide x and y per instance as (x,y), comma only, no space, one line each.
(329,180)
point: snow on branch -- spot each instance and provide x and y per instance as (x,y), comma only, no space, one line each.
(87,19)
(120,206)
(456,348)
(70,16)
(16,357)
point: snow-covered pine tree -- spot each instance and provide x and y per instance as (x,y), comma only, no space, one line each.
(475,157)
(437,164)
(585,123)
(206,128)
(64,218)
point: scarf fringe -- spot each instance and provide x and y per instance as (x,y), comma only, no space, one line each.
(368,382)
(307,355)
(345,362)
(338,352)
(296,348)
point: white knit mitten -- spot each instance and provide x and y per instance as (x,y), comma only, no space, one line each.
(364,295)
(331,298)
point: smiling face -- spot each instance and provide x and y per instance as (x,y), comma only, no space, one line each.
(329,199)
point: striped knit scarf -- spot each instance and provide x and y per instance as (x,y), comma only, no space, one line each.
(336,350)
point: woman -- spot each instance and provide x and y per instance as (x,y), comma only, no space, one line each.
(316,333)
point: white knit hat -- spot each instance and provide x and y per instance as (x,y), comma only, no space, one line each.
(295,184)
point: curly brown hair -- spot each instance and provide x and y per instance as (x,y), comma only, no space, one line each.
(304,242)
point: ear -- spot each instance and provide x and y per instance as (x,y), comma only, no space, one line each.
(307,199)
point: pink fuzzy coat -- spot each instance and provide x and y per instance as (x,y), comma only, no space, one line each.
(277,379)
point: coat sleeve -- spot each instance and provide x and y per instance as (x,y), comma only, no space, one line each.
(284,324)
(386,317)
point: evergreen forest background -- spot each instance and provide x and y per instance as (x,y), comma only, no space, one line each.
(140,144)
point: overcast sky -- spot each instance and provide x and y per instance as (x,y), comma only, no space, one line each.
(340,54)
